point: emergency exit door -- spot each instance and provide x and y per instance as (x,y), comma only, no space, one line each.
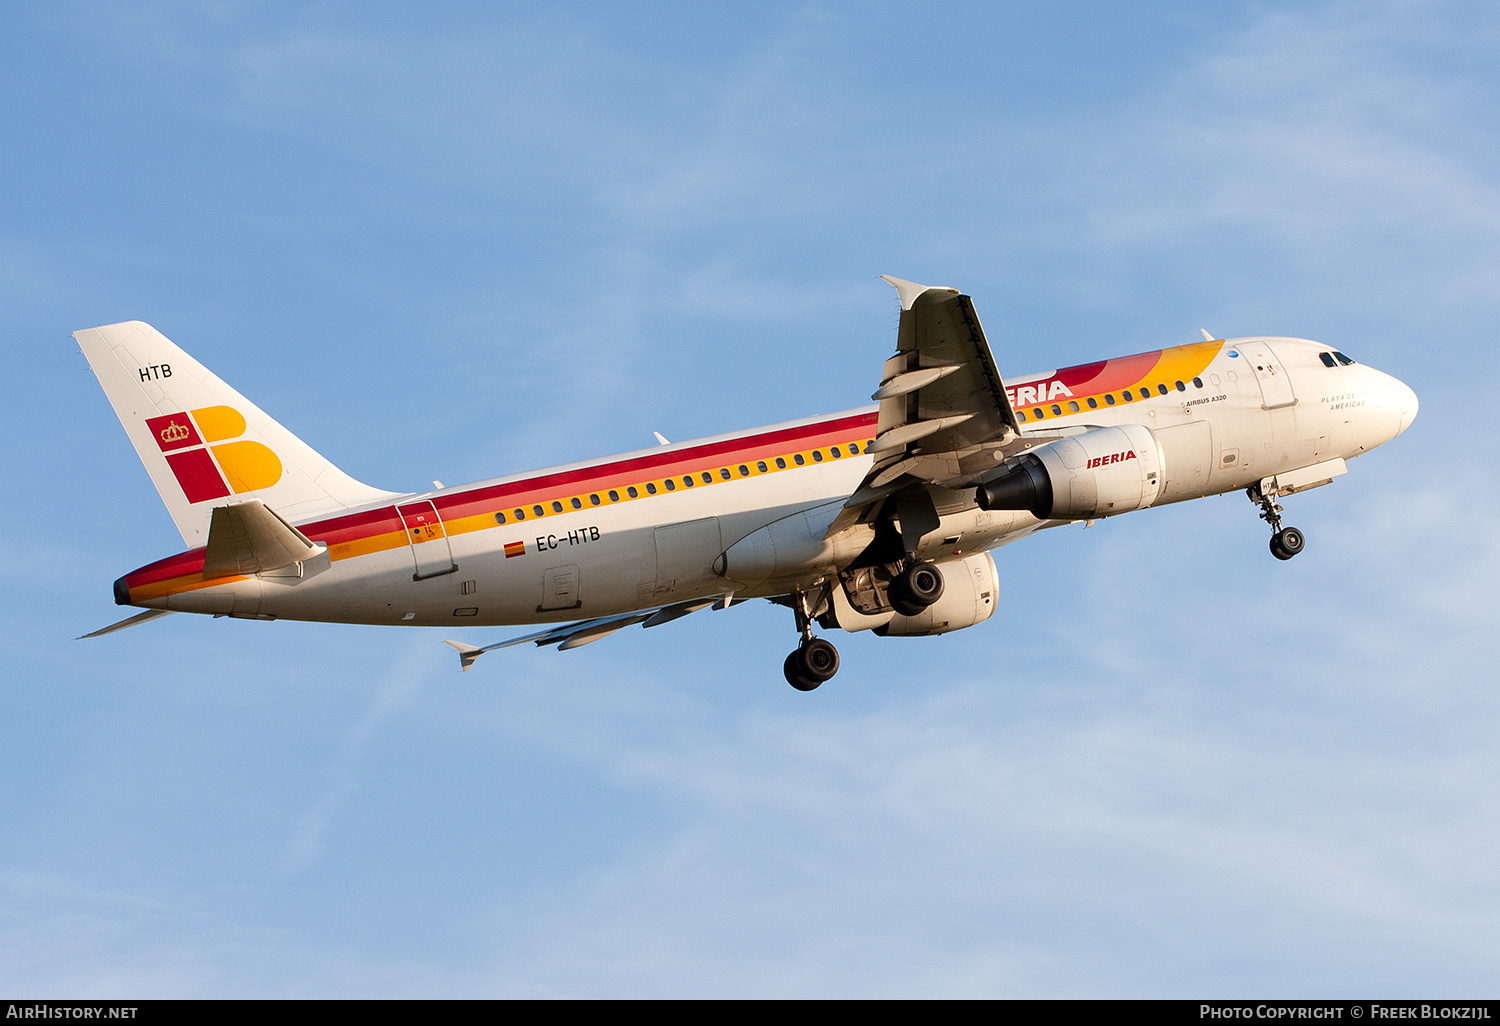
(428,540)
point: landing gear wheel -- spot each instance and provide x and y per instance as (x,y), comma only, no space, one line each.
(813,662)
(1287,542)
(916,588)
(793,677)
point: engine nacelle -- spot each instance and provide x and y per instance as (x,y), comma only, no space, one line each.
(971,590)
(1094,474)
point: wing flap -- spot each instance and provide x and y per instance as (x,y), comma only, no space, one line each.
(583,632)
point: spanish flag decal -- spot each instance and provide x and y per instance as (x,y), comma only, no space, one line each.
(515,549)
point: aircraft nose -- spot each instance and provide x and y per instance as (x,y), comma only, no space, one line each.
(1406,402)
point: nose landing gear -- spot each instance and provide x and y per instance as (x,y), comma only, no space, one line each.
(815,660)
(1286,542)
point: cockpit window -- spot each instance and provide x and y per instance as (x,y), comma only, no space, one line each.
(1343,359)
(1328,360)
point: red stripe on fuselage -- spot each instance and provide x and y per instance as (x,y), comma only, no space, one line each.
(630,471)
(351,527)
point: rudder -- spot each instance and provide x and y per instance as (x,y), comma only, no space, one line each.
(203,443)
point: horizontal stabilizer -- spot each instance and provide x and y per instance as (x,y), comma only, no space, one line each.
(249,538)
(129,621)
(466,653)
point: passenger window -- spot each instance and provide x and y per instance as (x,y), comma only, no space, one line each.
(576,502)
(835,452)
(853,450)
(780,463)
(1145,393)
(724,473)
(556,506)
(1092,404)
(1021,416)
(499,518)
(1162,389)
(1056,410)
(650,488)
(632,492)
(1037,413)
(1181,387)
(817,455)
(671,485)
(797,459)
(687,479)
(1109,399)
(761,466)
(1197,382)
(614,496)
(536,511)
(520,514)
(708,478)
(1127,396)
(744,470)
(1343,359)
(1073,406)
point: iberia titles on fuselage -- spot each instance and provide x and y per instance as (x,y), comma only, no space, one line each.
(878,518)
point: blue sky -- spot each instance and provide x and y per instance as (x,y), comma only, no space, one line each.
(472,241)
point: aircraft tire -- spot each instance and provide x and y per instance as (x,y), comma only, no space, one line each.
(793,675)
(903,605)
(916,588)
(817,660)
(1287,542)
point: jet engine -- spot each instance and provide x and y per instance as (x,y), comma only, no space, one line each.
(1097,473)
(970,593)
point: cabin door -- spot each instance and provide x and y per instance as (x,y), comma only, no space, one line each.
(1275,383)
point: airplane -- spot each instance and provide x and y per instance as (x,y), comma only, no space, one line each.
(880,518)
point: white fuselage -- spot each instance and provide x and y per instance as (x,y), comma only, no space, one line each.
(594,550)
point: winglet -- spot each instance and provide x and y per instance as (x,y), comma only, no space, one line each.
(1206,336)
(909,291)
(466,654)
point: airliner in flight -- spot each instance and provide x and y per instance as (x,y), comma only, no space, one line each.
(880,518)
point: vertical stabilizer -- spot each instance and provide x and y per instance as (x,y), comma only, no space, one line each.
(203,443)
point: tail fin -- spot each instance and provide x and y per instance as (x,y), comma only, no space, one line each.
(203,443)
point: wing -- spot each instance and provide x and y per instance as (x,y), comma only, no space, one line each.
(574,635)
(944,417)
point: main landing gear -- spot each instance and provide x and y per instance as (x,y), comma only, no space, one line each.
(1286,542)
(815,660)
(917,586)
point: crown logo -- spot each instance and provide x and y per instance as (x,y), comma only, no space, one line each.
(174,432)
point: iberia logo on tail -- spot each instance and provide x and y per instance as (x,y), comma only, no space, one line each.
(208,471)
